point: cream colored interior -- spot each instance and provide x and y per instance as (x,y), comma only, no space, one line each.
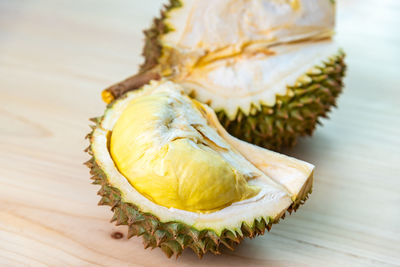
(210,29)
(255,78)
(241,54)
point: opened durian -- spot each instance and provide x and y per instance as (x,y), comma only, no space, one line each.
(172,173)
(269,68)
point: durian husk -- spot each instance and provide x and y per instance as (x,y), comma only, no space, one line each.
(174,236)
(152,50)
(294,115)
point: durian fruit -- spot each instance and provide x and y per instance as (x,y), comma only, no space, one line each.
(174,176)
(269,68)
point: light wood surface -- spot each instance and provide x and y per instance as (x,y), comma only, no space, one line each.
(56,56)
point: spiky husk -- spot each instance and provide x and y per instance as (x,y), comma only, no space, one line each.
(152,48)
(173,237)
(295,114)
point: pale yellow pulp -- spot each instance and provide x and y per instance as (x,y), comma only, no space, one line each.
(170,155)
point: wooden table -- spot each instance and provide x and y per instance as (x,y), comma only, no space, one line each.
(56,56)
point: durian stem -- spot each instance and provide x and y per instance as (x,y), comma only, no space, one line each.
(129,84)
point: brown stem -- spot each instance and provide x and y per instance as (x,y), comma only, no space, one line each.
(129,84)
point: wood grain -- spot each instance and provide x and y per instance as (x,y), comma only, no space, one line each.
(56,56)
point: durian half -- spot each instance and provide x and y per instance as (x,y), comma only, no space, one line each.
(269,68)
(172,173)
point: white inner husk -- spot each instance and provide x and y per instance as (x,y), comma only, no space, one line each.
(268,204)
(242,81)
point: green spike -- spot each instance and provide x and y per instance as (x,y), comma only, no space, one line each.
(173,247)
(175,228)
(183,240)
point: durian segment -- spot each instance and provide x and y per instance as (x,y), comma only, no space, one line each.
(270,203)
(248,80)
(205,30)
(164,147)
(173,50)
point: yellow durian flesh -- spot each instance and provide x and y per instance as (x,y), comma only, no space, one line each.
(168,153)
